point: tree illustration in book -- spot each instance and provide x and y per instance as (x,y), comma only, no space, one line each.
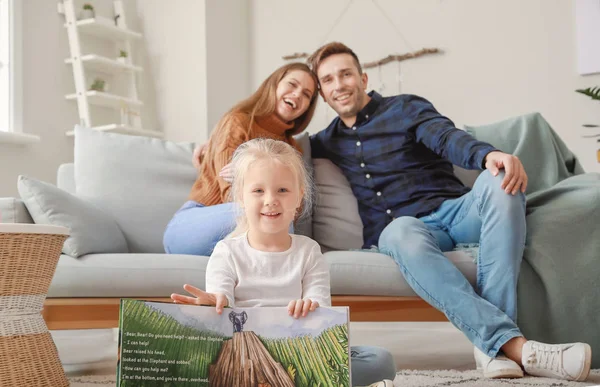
(166,344)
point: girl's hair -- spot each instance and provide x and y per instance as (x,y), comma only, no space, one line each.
(261,149)
(264,100)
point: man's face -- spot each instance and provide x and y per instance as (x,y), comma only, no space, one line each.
(342,87)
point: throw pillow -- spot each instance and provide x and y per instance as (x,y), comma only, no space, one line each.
(91,229)
(140,181)
(336,222)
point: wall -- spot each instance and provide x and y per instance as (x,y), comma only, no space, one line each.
(46,80)
(174,50)
(197,52)
(501,58)
(228,56)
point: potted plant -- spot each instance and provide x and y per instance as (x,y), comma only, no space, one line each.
(593,93)
(87,12)
(99,85)
(122,56)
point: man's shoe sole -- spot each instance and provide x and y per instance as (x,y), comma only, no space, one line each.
(588,363)
(502,374)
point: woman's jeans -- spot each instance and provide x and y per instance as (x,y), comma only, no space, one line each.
(195,229)
(489,216)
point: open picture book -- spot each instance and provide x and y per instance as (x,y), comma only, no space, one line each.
(168,344)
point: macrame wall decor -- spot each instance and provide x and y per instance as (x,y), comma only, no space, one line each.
(381,86)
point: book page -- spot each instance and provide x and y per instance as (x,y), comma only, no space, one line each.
(193,345)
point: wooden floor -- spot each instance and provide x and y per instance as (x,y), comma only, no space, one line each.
(95,313)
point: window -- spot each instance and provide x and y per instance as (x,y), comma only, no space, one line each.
(10,66)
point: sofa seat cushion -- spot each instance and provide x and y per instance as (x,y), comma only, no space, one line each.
(126,275)
(158,275)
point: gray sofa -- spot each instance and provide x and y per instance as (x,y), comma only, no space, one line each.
(140,182)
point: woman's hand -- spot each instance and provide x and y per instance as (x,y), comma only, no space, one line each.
(299,308)
(201,298)
(199,152)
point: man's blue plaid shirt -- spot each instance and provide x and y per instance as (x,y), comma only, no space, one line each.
(398,159)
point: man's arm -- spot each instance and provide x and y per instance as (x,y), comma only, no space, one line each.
(439,134)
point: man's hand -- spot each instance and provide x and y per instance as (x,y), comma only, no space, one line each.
(199,152)
(202,298)
(515,178)
(299,308)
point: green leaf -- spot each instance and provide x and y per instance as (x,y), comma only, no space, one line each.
(592,92)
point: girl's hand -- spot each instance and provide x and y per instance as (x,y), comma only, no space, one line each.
(227,173)
(202,298)
(299,308)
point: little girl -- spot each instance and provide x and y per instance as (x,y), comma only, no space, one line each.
(261,264)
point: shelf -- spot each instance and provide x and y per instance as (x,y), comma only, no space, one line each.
(100,98)
(124,129)
(106,65)
(17,138)
(105,28)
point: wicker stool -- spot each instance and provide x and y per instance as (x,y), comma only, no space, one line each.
(28,257)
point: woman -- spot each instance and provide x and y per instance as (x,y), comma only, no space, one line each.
(280,108)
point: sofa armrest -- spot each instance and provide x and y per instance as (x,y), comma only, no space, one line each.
(13,210)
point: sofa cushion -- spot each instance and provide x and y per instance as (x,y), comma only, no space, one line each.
(91,229)
(336,223)
(13,210)
(126,275)
(158,275)
(139,181)
(65,177)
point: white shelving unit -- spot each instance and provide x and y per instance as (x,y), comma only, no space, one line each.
(115,31)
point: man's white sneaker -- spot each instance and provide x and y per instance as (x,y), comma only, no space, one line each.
(562,361)
(383,383)
(497,367)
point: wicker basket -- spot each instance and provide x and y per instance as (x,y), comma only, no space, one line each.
(28,257)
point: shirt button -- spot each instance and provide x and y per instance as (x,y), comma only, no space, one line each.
(389,211)
(354,128)
(367,116)
(358,143)
(368,176)
(362,165)
(378,193)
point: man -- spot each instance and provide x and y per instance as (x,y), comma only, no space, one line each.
(397,153)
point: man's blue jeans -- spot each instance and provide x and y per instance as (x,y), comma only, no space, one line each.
(489,216)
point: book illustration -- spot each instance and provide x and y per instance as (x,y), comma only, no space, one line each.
(166,344)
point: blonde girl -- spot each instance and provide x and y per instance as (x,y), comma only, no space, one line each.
(262,264)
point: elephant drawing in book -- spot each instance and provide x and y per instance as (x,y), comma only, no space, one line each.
(238,320)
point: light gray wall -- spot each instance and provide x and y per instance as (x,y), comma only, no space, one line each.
(501,57)
(175,48)
(46,80)
(228,47)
